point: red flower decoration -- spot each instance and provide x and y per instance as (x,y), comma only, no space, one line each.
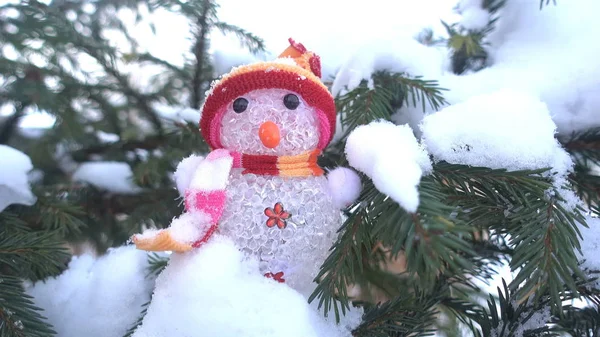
(277,276)
(277,216)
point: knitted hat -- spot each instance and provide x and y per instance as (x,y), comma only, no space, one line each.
(296,69)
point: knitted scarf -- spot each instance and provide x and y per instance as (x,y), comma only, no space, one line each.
(302,165)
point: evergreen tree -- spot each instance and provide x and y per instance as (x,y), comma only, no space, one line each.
(469,220)
(57,58)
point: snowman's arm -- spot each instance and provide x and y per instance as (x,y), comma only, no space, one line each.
(185,172)
(206,191)
(344,186)
(181,236)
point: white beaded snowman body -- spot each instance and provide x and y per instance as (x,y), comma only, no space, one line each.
(261,186)
(301,219)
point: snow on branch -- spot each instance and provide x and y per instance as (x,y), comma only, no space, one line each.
(391,156)
(14,184)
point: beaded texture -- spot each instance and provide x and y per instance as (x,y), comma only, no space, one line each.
(296,70)
(298,247)
(261,185)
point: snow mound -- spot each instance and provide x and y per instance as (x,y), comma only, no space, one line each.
(215,291)
(392,54)
(96,297)
(14,185)
(391,156)
(501,130)
(545,53)
(504,129)
(111,176)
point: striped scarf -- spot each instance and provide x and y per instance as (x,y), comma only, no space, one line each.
(302,165)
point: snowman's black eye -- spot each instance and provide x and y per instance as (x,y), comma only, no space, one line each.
(240,105)
(291,101)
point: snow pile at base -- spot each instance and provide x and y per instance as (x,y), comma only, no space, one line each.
(590,245)
(14,185)
(96,297)
(111,176)
(391,156)
(215,291)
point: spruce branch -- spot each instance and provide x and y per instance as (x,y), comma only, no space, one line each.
(403,316)
(546,3)
(252,42)
(432,241)
(506,317)
(157,264)
(138,321)
(587,187)
(19,317)
(388,93)
(10,124)
(344,262)
(200,53)
(524,205)
(584,147)
(32,255)
(545,237)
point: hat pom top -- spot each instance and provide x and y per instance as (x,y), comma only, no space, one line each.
(303,58)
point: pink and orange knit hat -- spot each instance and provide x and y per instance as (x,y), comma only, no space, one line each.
(301,75)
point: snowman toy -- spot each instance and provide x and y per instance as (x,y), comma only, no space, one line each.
(261,186)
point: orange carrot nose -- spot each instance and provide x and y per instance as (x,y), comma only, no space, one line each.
(269,134)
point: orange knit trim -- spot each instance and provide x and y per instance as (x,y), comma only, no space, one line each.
(301,165)
(301,172)
(294,159)
(291,51)
(272,66)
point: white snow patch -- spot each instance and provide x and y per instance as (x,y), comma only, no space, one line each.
(403,54)
(185,171)
(590,245)
(502,130)
(106,137)
(536,321)
(111,176)
(212,174)
(100,297)
(215,291)
(475,18)
(228,55)
(545,53)
(391,156)
(14,182)
(178,114)
(505,129)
